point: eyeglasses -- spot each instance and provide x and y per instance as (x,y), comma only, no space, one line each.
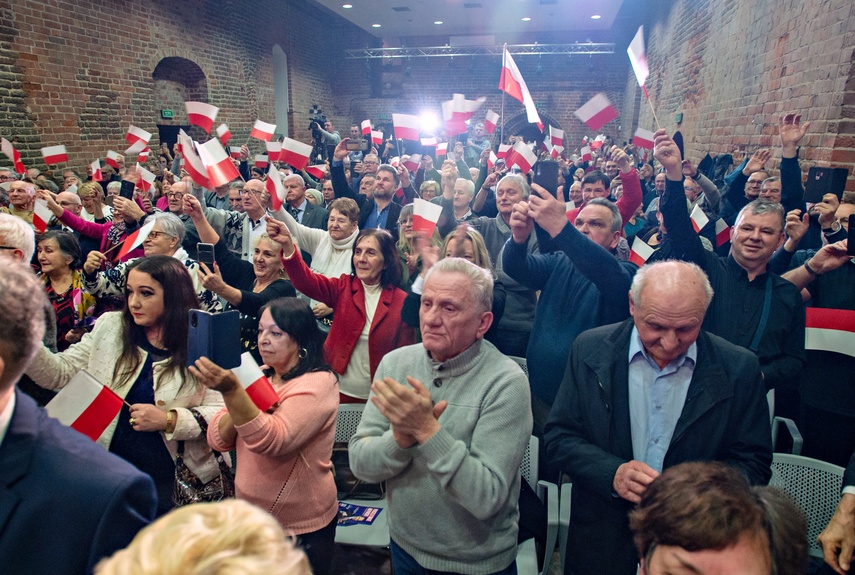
(8,248)
(66,204)
(174,195)
(7,178)
(155,235)
(370,163)
(253,192)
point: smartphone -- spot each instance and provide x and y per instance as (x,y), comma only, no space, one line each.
(546,175)
(850,244)
(356,145)
(205,254)
(127,190)
(215,336)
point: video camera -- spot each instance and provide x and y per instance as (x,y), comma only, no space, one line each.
(319,120)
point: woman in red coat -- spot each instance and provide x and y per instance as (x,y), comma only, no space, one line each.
(366,304)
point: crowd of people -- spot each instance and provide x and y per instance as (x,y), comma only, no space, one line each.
(638,366)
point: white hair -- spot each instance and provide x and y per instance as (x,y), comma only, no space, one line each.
(16,233)
(480,278)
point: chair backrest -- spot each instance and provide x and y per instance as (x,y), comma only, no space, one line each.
(347,420)
(529,463)
(521,361)
(814,486)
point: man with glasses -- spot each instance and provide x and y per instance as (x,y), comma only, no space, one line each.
(368,167)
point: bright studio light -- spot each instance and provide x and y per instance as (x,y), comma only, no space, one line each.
(428,122)
(596,17)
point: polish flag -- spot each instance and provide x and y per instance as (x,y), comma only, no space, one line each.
(136,135)
(597,112)
(511,82)
(234,152)
(503,151)
(54,155)
(429,142)
(598,142)
(192,162)
(643,138)
(224,134)
(85,405)
(395,161)
(274,149)
(640,252)
(638,58)
(112,159)
(442,149)
(135,240)
(425,216)
(274,187)
(97,174)
(366,127)
(256,384)
(722,233)
(262,131)
(412,162)
(376,137)
(146,178)
(521,155)
(10,152)
(261,161)
(830,330)
(556,136)
(491,161)
(459,108)
(136,148)
(219,166)
(318,171)
(41,216)
(406,126)
(491,121)
(699,219)
(295,153)
(143,156)
(586,153)
(201,114)
(556,151)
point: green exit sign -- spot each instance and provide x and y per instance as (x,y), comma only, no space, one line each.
(167,114)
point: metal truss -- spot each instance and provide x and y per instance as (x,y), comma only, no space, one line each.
(452,51)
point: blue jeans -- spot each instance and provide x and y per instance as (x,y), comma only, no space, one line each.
(404,564)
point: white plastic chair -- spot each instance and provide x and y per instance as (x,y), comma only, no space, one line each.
(792,428)
(548,494)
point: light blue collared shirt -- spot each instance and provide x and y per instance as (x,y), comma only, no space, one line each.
(656,398)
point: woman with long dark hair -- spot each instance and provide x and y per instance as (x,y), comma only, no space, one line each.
(141,354)
(284,455)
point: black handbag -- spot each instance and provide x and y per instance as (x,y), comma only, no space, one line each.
(189,488)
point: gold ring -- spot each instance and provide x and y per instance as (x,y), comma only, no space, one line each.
(133,421)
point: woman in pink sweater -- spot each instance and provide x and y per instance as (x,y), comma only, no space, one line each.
(284,456)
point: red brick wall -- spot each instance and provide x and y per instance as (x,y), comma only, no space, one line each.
(732,68)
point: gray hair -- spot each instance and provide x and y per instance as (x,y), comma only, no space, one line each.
(286,179)
(480,278)
(761,207)
(469,186)
(113,186)
(170,224)
(617,221)
(22,307)
(16,233)
(640,279)
(236,185)
(519,182)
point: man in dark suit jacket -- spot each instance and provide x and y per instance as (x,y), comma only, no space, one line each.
(644,395)
(838,538)
(65,502)
(304,211)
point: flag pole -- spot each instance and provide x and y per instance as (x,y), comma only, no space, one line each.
(644,89)
(502,119)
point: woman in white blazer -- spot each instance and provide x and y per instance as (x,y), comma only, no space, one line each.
(141,354)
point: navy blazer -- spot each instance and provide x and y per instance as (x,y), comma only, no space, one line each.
(315,216)
(588,435)
(65,502)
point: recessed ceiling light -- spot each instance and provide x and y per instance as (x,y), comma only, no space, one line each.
(438,22)
(596,17)
(345,6)
(375,25)
(526,19)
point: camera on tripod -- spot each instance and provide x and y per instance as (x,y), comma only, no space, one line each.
(316,120)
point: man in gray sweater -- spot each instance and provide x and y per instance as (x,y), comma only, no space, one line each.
(446,427)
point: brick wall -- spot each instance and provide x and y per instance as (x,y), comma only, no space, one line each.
(732,68)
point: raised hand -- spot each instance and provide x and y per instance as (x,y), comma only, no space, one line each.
(791,131)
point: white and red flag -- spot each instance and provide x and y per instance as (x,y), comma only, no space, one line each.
(41,216)
(135,240)
(412,163)
(257,386)
(261,161)
(192,162)
(221,170)
(699,219)
(491,121)
(830,330)
(429,142)
(556,136)
(97,174)
(136,148)
(54,155)
(425,216)
(395,161)
(406,126)
(376,137)
(598,142)
(143,156)
(643,138)
(442,149)
(366,127)
(274,187)
(274,150)
(491,161)
(224,134)
(146,178)
(295,153)
(10,152)
(136,134)
(556,151)
(640,252)
(638,58)
(262,131)
(521,155)
(318,171)
(511,82)
(586,153)
(112,159)
(457,111)
(597,112)
(503,151)
(201,114)
(234,152)
(85,405)
(722,232)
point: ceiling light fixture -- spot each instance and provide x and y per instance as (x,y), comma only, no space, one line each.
(438,22)
(596,17)
(346,6)
(526,19)
(375,25)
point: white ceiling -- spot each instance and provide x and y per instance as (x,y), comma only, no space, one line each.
(501,18)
